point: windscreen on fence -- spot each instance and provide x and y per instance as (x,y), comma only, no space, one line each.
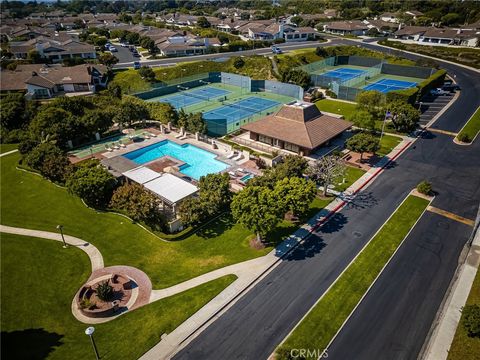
(409,71)
(319,65)
(275,87)
(241,81)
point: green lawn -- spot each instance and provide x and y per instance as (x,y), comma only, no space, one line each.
(39,280)
(352,174)
(337,107)
(31,202)
(387,144)
(472,127)
(7,147)
(464,347)
(321,324)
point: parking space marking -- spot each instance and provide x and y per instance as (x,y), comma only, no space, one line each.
(450,215)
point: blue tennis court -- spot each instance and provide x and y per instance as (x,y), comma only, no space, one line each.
(344,73)
(190,97)
(386,85)
(241,109)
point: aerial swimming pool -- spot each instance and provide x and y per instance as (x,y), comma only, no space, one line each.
(198,162)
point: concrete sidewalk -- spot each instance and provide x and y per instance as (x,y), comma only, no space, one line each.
(442,337)
(249,272)
(93,253)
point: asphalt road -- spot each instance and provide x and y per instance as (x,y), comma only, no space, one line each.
(262,51)
(258,322)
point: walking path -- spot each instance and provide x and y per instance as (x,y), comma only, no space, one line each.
(9,152)
(93,253)
(442,337)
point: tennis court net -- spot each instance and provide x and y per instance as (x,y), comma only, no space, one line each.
(194,95)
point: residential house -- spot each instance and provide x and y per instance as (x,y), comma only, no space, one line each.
(415,14)
(185,45)
(57,48)
(298,127)
(349,27)
(389,17)
(42,81)
(291,33)
(428,35)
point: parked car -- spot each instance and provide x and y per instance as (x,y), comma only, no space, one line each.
(438,92)
(123,44)
(276,50)
(132,48)
(137,65)
(450,87)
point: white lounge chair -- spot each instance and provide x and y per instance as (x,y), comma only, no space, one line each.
(238,157)
(231,155)
(232,174)
(183,137)
(242,170)
(108,148)
(122,145)
(146,136)
(178,136)
(153,135)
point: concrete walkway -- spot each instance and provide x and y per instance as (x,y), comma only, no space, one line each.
(442,337)
(8,152)
(93,253)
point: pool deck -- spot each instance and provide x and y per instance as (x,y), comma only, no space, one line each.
(118,164)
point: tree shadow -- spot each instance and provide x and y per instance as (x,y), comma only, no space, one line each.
(428,135)
(334,224)
(217,227)
(312,246)
(31,344)
(361,200)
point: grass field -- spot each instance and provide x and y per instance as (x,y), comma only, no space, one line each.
(337,107)
(32,202)
(39,280)
(7,147)
(321,324)
(464,347)
(352,174)
(472,127)
(257,67)
(387,144)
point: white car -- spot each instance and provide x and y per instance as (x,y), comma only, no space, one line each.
(438,92)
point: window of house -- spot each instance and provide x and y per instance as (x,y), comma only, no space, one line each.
(265,139)
(292,147)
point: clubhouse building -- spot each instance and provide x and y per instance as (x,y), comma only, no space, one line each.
(298,127)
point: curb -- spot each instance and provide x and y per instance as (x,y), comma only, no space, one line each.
(280,258)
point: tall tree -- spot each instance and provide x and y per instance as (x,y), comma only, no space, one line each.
(257,209)
(363,119)
(295,194)
(326,169)
(362,143)
(404,116)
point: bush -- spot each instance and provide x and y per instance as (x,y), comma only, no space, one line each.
(464,138)
(50,161)
(93,184)
(238,62)
(471,320)
(104,291)
(405,95)
(424,188)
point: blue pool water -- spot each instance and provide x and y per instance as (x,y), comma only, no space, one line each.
(198,162)
(246,178)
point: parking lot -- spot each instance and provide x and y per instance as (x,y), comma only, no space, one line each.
(432,105)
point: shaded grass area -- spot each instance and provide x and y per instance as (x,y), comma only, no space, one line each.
(387,144)
(464,347)
(29,201)
(322,323)
(7,147)
(43,326)
(472,127)
(337,107)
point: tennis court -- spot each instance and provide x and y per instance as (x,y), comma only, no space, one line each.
(344,73)
(241,109)
(386,85)
(191,97)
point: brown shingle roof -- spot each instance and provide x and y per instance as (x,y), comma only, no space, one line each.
(301,124)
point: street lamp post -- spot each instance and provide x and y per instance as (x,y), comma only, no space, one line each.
(387,115)
(60,227)
(89,331)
